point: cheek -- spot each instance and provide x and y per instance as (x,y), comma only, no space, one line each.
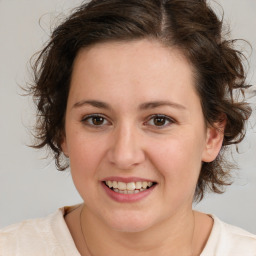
(85,156)
(178,160)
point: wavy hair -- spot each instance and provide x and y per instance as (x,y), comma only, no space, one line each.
(189,25)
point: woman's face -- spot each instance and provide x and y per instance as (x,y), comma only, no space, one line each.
(134,118)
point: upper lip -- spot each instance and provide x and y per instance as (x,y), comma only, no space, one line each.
(127,179)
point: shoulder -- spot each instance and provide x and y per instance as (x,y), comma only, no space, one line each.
(44,236)
(229,240)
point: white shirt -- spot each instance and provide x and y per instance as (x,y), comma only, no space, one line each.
(50,236)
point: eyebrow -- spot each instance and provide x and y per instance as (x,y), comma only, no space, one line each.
(143,106)
(155,104)
(94,103)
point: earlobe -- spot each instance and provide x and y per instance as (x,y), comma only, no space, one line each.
(214,140)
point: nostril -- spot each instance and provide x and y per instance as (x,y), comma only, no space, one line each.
(126,154)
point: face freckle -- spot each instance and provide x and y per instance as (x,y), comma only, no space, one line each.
(133,115)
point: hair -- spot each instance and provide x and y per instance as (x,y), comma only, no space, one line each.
(188,25)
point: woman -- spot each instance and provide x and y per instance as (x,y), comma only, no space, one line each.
(138,98)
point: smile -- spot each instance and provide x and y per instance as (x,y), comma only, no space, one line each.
(129,188)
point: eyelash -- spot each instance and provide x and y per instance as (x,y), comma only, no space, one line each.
(86,119)
(164,118)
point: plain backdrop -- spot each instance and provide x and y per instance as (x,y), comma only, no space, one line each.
(30,186)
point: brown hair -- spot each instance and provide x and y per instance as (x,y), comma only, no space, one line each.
(189,25)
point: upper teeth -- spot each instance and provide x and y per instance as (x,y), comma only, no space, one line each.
(128,186)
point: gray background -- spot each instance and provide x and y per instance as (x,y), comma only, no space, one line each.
(29,184)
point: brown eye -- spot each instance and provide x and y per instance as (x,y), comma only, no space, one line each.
(95,120)
(160,121)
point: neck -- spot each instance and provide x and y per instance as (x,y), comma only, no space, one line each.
(173,236)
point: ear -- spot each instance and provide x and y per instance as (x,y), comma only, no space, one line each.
(214,139)
(64,147)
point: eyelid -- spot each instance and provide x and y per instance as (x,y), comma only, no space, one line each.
(92,115)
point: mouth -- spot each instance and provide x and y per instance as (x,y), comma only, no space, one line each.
(130,187)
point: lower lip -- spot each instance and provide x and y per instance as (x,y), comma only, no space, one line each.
(127,198)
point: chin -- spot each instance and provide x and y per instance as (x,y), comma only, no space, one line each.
(130,223)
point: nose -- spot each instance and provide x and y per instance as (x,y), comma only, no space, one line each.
(126,150)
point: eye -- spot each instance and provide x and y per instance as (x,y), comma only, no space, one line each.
(95,120)
(160,121)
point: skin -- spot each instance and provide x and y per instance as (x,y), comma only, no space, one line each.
(126,76)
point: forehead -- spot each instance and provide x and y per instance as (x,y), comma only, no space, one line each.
(143,68)
(150,51)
